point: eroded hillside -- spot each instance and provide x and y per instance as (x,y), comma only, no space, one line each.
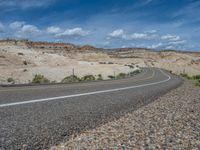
(21,60)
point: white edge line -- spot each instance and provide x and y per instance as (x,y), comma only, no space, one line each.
(85,94)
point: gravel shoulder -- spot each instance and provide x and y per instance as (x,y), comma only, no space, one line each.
(170,122)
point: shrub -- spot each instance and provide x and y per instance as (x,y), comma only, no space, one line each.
(10,80)
(71,78)
(110,63)
(198,82)
(88,78)
(121,76)
(25,62)
(38,78)
(20,54)
(185,75)
(196,77)
(134,72)
(100,77)
(111,77)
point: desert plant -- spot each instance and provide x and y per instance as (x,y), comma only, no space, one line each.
(111,77)
(20,53)
(10,80)
(38,78)
(196,77)
(100,77)
(185,75)
(88,78)
(198,82)
(25,62)
(134,72)
(71,78)
(121,76)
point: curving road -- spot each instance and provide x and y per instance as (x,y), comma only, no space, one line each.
(40,116)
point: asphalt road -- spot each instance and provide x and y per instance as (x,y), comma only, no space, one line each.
(38,117)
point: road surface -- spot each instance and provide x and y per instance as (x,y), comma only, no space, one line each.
(38,117)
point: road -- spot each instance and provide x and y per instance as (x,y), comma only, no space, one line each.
(38,117)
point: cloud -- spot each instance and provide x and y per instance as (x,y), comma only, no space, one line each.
(170,37)
(17,25)
(1,27)
(155,46)
(73,33)
(178,42)
(120,33)
(21,29)
(25,3)
(53,30)
(152,31)
(30,29)
(137,36)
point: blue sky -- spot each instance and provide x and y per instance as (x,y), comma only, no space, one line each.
(158,24)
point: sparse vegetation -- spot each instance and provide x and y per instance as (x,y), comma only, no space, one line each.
(185,75)
(100,77)
(121,75)
(110,63)
(70,79)
(9,80)
(25,62)
(111,77)
(38,79)
(20,54)
(88,78)
(198,82)
(196,77)
(134,72)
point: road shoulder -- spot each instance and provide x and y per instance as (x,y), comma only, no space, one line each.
(172,122)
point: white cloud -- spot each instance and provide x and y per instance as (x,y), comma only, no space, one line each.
(155,46)
(138,36)
(73,32)
(152,31)
(30,29)
(17,25)
(53,30)
(1,27)
(170,37)
(178,42)
(119,33)
(21,29)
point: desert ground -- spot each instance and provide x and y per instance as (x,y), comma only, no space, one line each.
(22,60)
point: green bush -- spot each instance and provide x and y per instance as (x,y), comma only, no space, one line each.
(10,80)
(185,75)
(111,77)
(71,78)
(100,77)
(121,76)
(88,78)
(25,62)
(198,82)
(134,72)
(38,78)
(196,77)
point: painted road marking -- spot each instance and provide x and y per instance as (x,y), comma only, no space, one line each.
(85,94)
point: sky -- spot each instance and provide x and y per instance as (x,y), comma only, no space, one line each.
(156,24)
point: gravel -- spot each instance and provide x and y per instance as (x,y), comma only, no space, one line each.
(170,122)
